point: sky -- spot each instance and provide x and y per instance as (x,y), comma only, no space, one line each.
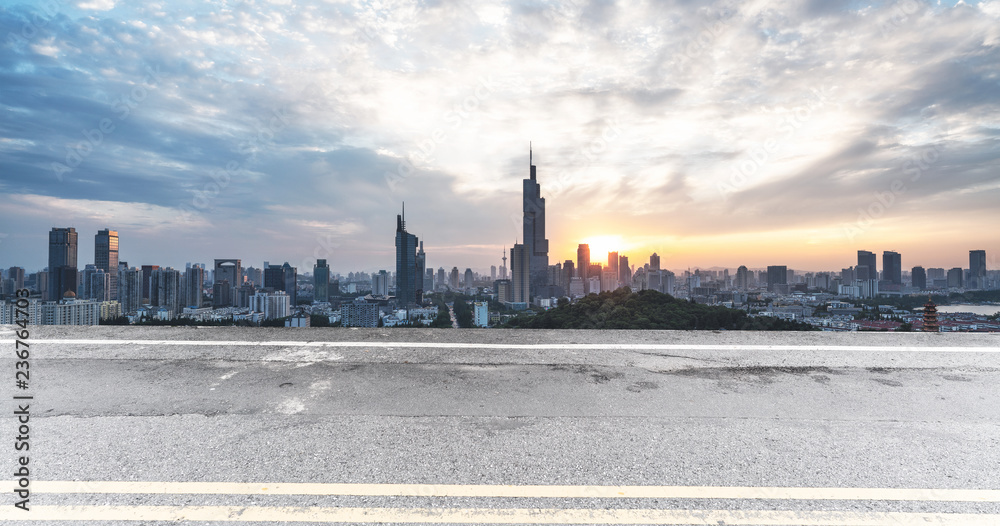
(716,134)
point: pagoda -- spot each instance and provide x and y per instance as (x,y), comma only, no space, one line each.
(930,316)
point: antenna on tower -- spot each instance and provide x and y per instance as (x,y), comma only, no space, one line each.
(530,162)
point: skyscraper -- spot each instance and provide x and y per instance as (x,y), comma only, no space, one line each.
(569,272)
(421,263)
(520,263)
(62,262)
(321,281)
(106,256)
(919,278)
(229,271)
(194,280)
(866,268)
(776,275)
(654,262)
(583,264)
(624,272)
(534,232)
(977,269)
(742,278)
(406,263)
(468,278)
(165,290)
(892,267)
(291,275)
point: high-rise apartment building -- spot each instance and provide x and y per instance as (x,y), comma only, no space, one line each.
(194,281)
(534,232)
(106,256)
(62,275)
(520,261)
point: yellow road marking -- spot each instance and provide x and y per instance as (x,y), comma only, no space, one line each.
(489,516)
(530,491)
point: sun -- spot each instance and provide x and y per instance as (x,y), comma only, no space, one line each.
(600,246)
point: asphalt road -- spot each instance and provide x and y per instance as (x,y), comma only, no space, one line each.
(492,426)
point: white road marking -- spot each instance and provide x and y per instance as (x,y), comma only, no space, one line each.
(532,491)
(514,346)
(489,516)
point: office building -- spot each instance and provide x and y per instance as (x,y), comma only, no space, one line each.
(569,272)
(583,264)
(469,278)
(742,278)
(892,267)
(453,279)
(493,272)
(380,283)
(777,275)
(229,271)
(406,264)
(866,268)
(321,281)
(442,280)
(16,274)
(654,262)
(955,278)
(977,269)
(919,278)
(624,272)
(418,277)
(535,244)
(520,262)
(106,256)
(62,271)
(609,279)
(505,293)
(613,263)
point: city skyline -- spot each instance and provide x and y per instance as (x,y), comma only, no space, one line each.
(788,149)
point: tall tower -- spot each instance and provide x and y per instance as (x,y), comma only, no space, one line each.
(583,264)
(503,269)
(62,262)
(406,262)
(535,244)
(106,256)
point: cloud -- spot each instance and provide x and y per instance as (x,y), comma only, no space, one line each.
(327,117)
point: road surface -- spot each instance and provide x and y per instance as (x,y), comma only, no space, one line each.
(402,426)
